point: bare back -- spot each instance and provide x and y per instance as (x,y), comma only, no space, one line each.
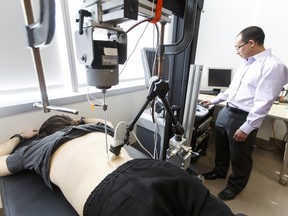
(79,165)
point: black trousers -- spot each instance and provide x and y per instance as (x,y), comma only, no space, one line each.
(146,187)
(227,149)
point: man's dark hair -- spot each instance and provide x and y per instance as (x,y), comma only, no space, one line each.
(55,123)
(253,33)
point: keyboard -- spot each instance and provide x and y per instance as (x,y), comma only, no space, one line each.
(209,92)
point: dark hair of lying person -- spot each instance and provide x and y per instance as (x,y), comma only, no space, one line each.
(56,123)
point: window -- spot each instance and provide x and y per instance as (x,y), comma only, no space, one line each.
(64,75)
(19,82)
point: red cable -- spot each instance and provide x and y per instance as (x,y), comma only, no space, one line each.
(158,12)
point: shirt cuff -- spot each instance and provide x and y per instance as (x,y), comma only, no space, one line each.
(247,129)
(215,101)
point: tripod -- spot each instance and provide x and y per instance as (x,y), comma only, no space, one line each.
(158,88)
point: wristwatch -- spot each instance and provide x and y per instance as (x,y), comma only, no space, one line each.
(19,136)
(82,120)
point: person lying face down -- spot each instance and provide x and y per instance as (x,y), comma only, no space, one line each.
(70,154)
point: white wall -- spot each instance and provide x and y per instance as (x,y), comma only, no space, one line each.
(222,20)
(120,108)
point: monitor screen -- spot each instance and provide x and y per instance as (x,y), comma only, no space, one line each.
(219,78)
(148,59)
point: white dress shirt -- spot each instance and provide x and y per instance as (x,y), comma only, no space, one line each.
(254,88)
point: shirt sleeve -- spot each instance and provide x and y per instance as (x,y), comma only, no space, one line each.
(14,163)
(220,97)
(270,85)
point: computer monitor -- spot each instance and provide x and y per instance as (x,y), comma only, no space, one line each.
(219,78)
(148,59)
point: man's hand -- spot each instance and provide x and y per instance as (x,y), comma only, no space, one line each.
(240,136)
(29,133)
(205,102)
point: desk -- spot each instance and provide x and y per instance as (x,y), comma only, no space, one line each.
(280,112)
(277,112)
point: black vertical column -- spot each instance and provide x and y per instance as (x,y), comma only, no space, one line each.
(179,70)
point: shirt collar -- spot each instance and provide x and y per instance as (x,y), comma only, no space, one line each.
(262,55)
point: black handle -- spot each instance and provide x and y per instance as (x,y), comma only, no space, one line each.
(82,14)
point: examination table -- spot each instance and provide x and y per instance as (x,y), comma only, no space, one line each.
(26,194)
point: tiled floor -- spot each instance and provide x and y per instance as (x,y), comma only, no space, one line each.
(263,196)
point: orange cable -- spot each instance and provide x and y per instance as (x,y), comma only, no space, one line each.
(158,12)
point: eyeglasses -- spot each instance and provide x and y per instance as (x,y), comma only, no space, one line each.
(238,47)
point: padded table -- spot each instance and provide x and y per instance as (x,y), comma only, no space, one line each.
(26,194)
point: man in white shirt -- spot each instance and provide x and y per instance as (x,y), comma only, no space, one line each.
(255,86)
